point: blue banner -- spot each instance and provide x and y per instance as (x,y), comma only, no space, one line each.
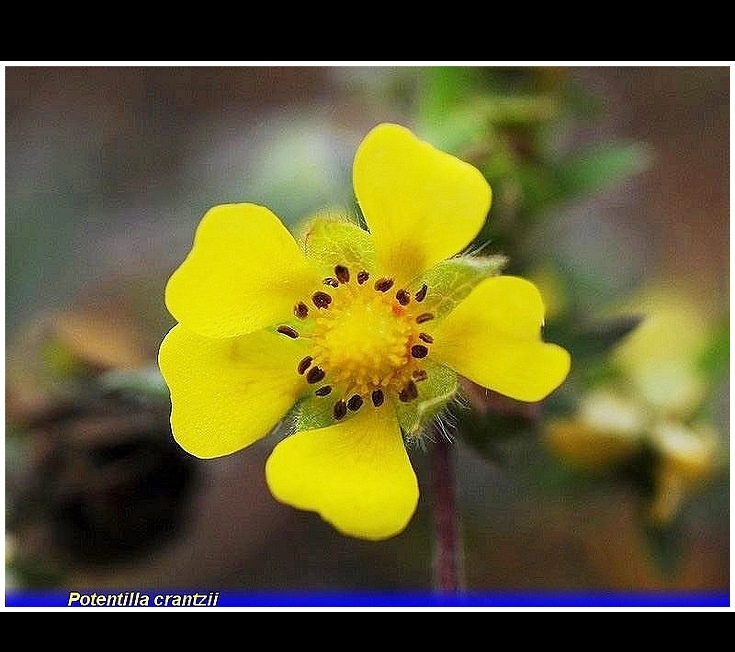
(212,599)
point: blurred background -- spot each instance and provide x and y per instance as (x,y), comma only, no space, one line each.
(611,191)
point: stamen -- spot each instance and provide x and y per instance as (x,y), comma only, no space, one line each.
(419,375)
(288,331)
(304,364)
(331,282)
(377,397)
(342,273)
(409,392)
(423,317)
(340,410)
(403,297)
(321,299)
(426,338)
(421,294)
(362,276)
(419,351)
(355,403)
(324,390)
(383,284)
(301,310)
(315,375)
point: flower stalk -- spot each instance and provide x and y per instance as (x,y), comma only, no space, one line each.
(447,561)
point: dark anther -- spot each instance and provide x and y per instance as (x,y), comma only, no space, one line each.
(419,351)
(419,375)
(301,310)
(304,364)
(362,276)
(377,397)
(324,391)
(425,337)
(355,402)
(383,284)
(342,273)
(321,299)
(403,297)
(421,294)
(288,331)
(315,375)
(331,282)
(424,317)
(409,392)
(340,410)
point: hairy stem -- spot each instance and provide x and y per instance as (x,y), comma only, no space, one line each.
(447,562)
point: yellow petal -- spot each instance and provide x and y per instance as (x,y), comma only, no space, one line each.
(421,204)
(356,474)
(228,393)
(493,338)
(244,272)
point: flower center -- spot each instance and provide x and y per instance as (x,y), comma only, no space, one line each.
(367,338)
(361,339)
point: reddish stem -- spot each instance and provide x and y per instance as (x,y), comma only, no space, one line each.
(447,547)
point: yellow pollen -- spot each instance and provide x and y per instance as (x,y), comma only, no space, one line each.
(363,340)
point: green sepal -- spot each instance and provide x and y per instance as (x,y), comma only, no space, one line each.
(451,280)
(440,386)
(331,240)
(313,412)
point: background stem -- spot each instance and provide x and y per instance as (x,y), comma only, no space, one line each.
(447,544)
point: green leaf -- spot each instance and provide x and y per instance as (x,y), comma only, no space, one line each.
(591,341)
(443,88)
(602,167)
(487,432)
(452,280)
(518,109)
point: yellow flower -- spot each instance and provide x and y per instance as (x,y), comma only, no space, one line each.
(356,335)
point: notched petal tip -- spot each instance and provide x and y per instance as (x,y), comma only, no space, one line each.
(355,474)
(422,205)
(244,272)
